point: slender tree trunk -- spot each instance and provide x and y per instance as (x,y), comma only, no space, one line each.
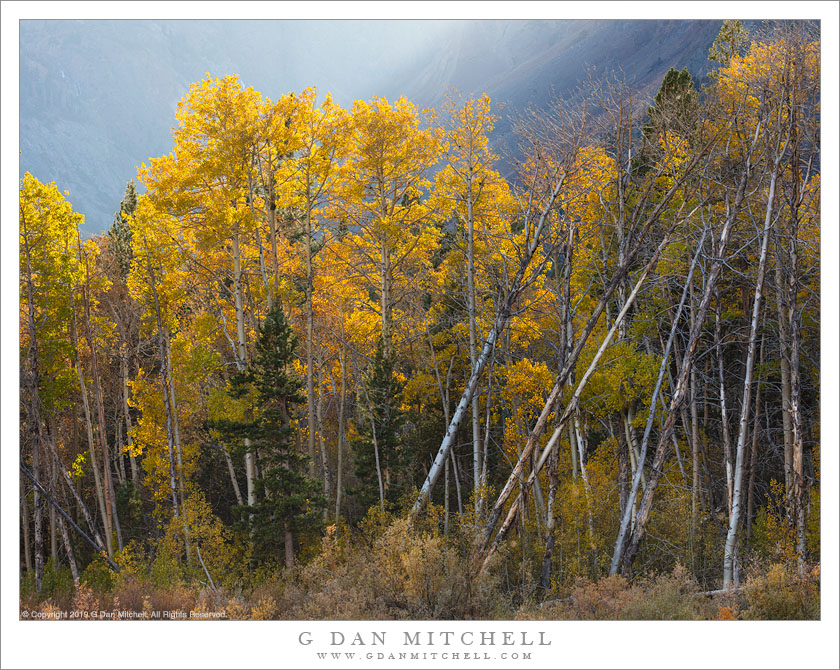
(289,546)
(798,475)
(232,474)
(587,489)
(241,356)
(100,497)
(24,517)
(471,308)
(446,498)
(730,549)
(310,376)
(695,442)
(135,475)
(34,383)
(52,485)
(754,449)
(545,575)
(385,300)
(339,485)
(176,428)
(630,511)
(325,470)
(68,548)
(97,542)
(371,415)
(724,420)
(784,364)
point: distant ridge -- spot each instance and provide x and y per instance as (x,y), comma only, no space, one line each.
(97,98)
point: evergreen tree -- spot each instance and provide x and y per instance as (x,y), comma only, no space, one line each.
(120,231)
(729,43)
(675,109)
(288,501)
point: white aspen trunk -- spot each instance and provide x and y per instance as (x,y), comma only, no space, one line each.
(232,474)
(371,415)
(176,430)
(241,356)
(34,407)
(110,498)
(53,526)
(784,364)
(386,300)
(724,420)
(754,449)
(695,443)
(446,498)
(260,251)
(587,489)
(635,455)
(730,548)
(325,471)
(680,390)
(135,475)
(100,498)
(97,539)
(476,422)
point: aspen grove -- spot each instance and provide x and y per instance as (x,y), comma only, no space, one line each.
(353,363)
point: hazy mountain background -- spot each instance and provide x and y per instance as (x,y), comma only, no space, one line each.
(97,98)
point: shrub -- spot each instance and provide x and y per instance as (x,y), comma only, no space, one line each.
(781,593)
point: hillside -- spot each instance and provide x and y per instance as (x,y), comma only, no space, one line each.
(97,98)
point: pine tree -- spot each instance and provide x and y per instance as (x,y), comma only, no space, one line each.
(288,501)
(120,231)
(675,110)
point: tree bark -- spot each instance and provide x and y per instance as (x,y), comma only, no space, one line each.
(339,485)
(754,450)
(730,548)
(724,420)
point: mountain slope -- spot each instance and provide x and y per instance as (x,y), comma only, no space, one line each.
(97,98)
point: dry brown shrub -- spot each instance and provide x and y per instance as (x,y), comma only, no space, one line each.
(84,599)
(781,593)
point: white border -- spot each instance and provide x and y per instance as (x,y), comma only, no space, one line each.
(271,644)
